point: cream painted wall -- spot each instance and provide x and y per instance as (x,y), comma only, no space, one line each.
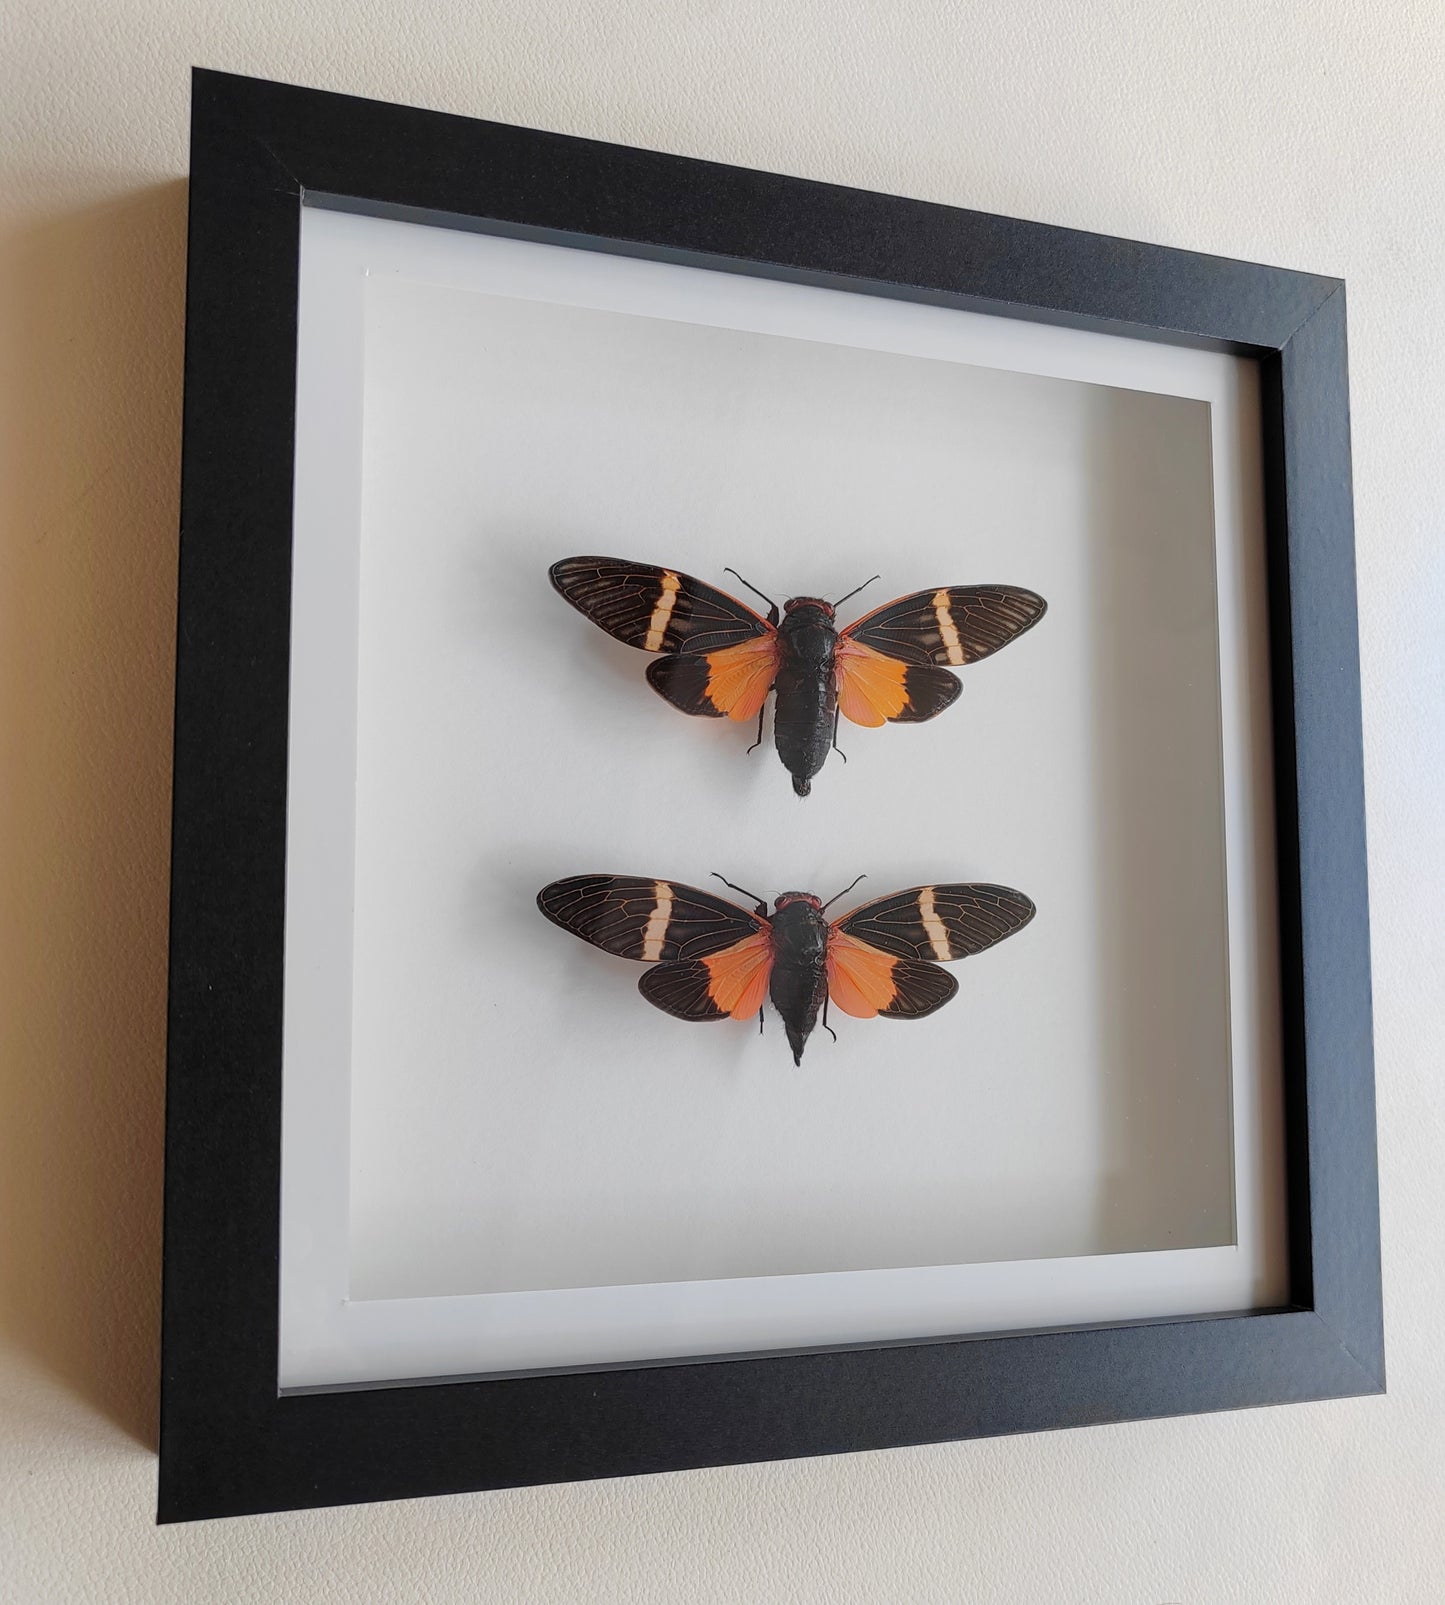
(1307,134)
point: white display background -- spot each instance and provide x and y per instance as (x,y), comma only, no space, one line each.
(520,1116)
(539,1165)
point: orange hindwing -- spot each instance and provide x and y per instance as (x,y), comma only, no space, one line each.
(860,978)
(872,689)
(740,677)
(738,976)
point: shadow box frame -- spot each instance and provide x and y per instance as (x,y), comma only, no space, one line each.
(231,1440)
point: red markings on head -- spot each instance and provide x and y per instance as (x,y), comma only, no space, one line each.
(794,602)
(797,897)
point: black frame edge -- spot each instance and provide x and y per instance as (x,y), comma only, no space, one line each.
(437,167)
(229,777)
(325,1448)
(1330,946)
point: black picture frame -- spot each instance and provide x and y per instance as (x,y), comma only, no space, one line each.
(230,1441)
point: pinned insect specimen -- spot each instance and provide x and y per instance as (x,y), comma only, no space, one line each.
(713,960)
(720,658)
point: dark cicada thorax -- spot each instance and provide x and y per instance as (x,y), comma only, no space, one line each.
(799,983)
(806,712)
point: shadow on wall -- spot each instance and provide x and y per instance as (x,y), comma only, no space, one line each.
(92,344)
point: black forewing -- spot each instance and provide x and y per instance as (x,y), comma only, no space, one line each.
(629,599)
(645,919)
(939,923)
(950,626)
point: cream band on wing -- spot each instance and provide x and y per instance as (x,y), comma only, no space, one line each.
(657,624)
(944,614)
(933,926)
(657,922)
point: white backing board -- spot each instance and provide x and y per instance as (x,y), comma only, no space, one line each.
(496,1154)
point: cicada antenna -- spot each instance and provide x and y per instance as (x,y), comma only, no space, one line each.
(753,588)
(842,599)
(762,902)
(843,893)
